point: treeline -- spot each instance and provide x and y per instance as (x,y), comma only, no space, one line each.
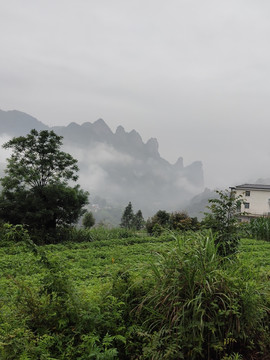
(160,222)
(179,221)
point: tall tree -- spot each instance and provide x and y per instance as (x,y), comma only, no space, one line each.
(138,220)
(35,189)
(127,217)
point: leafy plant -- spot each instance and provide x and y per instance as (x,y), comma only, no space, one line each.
(223,220)
(13,233)
(260,228)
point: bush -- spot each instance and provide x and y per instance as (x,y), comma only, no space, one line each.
(178,221)
(13,233)
(88,220)
(223,220)
(203,306)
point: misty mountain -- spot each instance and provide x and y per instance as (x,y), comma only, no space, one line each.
(16,123)
(118,167)
(198,204)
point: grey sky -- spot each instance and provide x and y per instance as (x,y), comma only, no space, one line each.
(194,74)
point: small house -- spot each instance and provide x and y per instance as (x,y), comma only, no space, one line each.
(256,200)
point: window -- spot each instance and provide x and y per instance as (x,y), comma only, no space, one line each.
(247,193)
(246,205)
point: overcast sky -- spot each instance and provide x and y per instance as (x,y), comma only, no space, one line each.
(195,74)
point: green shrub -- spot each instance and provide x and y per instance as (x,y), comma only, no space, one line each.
(12,234)
(176,221)
(203,306)
(88,220)
(223,220)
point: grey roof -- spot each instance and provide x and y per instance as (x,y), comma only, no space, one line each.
(252,186)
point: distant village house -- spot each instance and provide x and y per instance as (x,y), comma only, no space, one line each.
(256,200)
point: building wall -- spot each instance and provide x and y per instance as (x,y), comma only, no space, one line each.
(258,202)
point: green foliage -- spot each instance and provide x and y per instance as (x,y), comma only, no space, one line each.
(223,220)
(13,233)
(163,218)
(127,296)
(88,220)
(138,220)
(181,221)
(158,223)
(102,233)
(178,221)
(127,217)
(202,306)
(37,161)
(59,325)
(259,228)
(35,189)
(78,235)
(131,221)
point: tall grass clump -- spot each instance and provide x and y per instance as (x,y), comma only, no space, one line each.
(202,306)
(260,228)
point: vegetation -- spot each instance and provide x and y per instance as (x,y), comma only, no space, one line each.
(138,220)
(223,220)
(35,190)
(162,221)
(119,294)
(88,220)
(127,217)
(130,220)
(122,295)
(204,308)
(259,228)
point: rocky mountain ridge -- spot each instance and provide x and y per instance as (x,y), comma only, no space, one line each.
(119,167)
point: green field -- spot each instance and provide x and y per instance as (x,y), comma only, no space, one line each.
(256,253)
(90,266)
(92,270)
(93,264)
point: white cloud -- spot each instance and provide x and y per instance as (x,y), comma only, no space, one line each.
(100,154)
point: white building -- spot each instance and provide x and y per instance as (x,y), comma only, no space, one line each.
(256,200)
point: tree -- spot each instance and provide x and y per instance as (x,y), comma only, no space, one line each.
(88,220)
(223,220)
(179,221)
(127,217)
(156,224)
(35,190)
(162,217)
(138,220)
